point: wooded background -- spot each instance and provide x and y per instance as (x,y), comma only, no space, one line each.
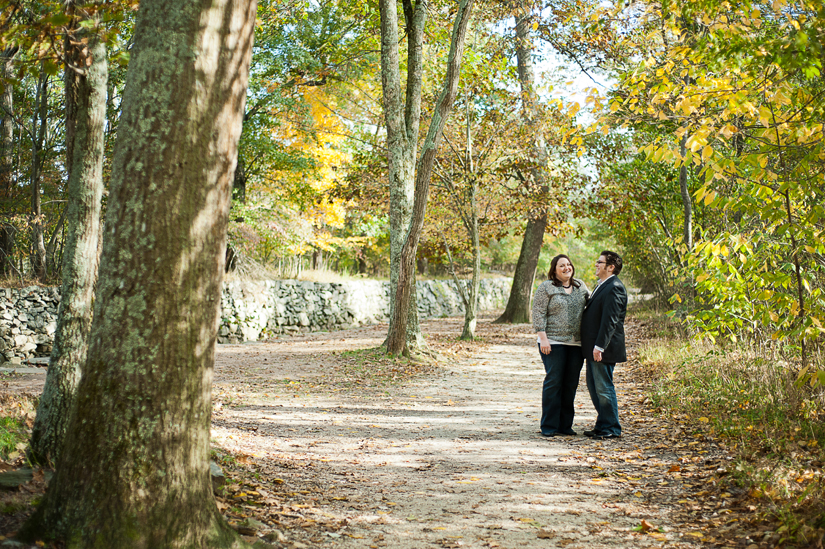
(393,140)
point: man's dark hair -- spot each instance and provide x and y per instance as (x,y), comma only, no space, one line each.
(612,258)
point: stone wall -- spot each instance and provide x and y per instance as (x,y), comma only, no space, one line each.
(28,319)
(252,311)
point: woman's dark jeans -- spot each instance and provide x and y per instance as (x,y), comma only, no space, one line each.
(562,366)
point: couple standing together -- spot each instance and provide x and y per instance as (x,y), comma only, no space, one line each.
(573,324)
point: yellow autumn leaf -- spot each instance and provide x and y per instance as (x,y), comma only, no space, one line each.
(707,152)
(703,419)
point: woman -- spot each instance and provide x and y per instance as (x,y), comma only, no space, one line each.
(557,314)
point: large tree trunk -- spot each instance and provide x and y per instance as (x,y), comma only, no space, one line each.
(403,117)
(39,125)
(134,472)
(404,291)
(85,123)
(518,304)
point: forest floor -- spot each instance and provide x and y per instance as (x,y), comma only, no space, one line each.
(325,442)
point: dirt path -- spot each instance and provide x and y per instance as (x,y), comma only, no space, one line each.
(451,458)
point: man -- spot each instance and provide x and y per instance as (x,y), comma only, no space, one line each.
(602,340)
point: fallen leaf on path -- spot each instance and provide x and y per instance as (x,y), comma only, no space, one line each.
(644,526)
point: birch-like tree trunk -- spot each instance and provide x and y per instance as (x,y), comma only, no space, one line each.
(517,309)
(7,230)
(86,79)
(471,301)
(409,175)
(134,472)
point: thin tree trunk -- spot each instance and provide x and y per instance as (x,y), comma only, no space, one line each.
(6,122)
(85,125)
(517,309)
(239,182)
(404,292)
(8,231)
(471,306)
(687,204)
(134,472)
(39,122)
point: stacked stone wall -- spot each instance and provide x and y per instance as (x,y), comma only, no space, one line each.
(253,311)
(28,320)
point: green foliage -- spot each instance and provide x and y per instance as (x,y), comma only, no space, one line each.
(728,95)
(13,431)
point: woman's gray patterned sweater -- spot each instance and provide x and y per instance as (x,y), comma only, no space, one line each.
(558,314)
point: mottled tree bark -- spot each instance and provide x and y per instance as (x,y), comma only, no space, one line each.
(403,117)
(134,472)
(85,82)
(518,304)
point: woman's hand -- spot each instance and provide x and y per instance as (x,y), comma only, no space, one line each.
(544,343)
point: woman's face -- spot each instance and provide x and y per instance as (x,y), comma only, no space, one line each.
(564,269)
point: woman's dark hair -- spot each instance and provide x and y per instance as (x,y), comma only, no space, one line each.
(551,276)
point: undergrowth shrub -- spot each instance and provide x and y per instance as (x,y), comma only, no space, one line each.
(758,410)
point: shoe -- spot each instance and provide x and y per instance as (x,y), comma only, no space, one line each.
(603,436)
(548,436)
(591,433)
(568,432)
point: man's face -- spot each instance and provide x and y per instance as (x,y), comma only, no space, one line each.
(602,270)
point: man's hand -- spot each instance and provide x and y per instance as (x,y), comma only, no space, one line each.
(597,355)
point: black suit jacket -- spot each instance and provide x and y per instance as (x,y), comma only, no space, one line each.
(603,322)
